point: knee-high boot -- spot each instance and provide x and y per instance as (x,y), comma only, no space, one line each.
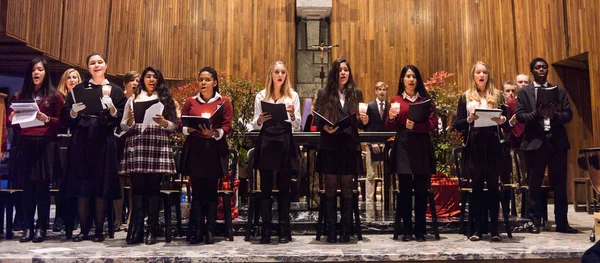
(267,217)
(283,209)
(137,220)
(346,219)
(211,221)
(198,211)
(153,210)
(330,219)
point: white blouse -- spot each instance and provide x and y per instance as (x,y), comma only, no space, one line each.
(141,98)
(294,100)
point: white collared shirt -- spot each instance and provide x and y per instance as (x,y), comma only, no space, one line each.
(294,100)
(342,97)
(546,120)
(410,98)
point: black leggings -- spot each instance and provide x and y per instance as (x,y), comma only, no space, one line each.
(283,181)
(420,183)
(344,181)
(36,194)
(204,189)
(147,184)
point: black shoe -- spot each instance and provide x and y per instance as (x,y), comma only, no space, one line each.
(150,239)
(137,236)
(283,238)
(39,236)
(27,236)
(265,239)
(535,229)
(407,237)
(420,238)
(344,238)
(98,238)
(210,237)
(58,225)
(81,237)
(567,229)
(496,238)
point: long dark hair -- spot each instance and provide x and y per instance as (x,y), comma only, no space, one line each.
(214,75)
(164,95)
(327,105)
(420,85)
(47,89)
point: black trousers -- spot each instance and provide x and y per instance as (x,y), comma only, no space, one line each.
(36,194)
(147,184)
(282,179)
(556,161)
(420,183)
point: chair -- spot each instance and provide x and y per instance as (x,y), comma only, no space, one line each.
(228,194)
(589,160)
(464,186)
(8,198)
(524,188)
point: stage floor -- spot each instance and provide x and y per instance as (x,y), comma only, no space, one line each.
(544,247)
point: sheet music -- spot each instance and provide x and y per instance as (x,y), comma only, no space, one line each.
(485,117)
(25,114)
(156,109)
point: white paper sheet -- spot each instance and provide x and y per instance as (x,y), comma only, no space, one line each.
(25,114)
(156,109)
(485,117)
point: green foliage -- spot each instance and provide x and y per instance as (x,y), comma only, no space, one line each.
(241,91)
(446,96)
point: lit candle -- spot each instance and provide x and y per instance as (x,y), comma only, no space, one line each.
(362,107)
(106,90)
(396,107)
(205,115)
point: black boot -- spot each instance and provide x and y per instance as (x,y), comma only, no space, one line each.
(266,214)
(39,236)
(330,219)
(211,221)
(283,208)
(136,234)
(153,210)
(198,214)
(27,235)
(346,219)
(58,225)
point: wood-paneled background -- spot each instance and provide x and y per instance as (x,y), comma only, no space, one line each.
(242,37)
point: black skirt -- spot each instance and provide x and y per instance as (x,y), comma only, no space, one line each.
(204,158)
(276,150)
(413,153)
(483,151)
(36,159)
(92,162)
(340,162)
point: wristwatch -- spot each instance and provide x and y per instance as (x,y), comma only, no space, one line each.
(215,134)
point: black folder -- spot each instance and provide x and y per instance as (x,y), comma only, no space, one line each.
(91,98)
(342,124)
(139,109)
(419,112)
(546,96)
(277,111)
(195,121)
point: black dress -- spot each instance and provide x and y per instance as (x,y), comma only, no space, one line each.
(92,164)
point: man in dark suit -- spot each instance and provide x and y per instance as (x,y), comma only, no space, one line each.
(545,144)
(377,111)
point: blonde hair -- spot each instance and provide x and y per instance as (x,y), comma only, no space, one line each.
(491,93)
(62,84)
(286,87)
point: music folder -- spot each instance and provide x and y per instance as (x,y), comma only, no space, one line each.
(277,111)
(546,96)
(419,112)
(25,113)
(91,98)
(342,124)
(139,109)
(209,119)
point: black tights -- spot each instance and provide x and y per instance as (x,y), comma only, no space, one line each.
(344,181)
(283,181)
(83,210)
(36,194)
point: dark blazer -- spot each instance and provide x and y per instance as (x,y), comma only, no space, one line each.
(376,123)
(534,135)
(341,139)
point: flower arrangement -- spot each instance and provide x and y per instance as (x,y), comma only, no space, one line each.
(241,91)
(446,95)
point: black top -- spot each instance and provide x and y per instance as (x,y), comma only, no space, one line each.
(376,122)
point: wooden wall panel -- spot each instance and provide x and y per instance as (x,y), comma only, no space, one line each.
(85,28)
(237,37)
(45,24)
(380,37)
(17,18)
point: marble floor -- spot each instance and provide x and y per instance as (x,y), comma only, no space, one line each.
(544,247)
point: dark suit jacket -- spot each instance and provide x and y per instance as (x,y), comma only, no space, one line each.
(534,135)
(376,123)
(341,139)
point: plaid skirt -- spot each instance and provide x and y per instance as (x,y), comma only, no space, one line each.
(147,152)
